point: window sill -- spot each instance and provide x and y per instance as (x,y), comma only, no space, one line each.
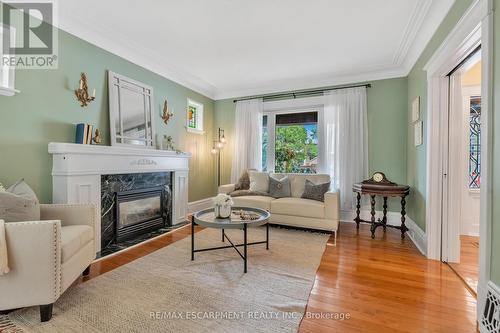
(8,91)
(194,130)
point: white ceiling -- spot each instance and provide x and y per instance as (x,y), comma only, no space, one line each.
(230,48)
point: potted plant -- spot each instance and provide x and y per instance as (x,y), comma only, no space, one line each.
(222,206)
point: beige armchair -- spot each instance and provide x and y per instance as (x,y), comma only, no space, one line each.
(46,257)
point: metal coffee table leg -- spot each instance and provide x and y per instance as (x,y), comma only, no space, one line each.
(267,236)
(245,255)
(192,238)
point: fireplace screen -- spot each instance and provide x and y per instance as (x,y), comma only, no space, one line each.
(139,210)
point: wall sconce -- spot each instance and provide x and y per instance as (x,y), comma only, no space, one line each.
(166,114)
(82,93)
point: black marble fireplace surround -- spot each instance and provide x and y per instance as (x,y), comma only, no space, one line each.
(116,190)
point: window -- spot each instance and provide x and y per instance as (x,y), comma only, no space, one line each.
(475,142)
(194,117)
(290,142)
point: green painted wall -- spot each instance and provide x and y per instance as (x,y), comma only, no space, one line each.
(417,86)
(46,111)
(495,232)
(387,130)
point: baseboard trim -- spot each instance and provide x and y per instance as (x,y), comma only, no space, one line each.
(415,233)
(195,206)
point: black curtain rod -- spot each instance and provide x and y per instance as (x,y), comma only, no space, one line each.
(299,93)
(469,56)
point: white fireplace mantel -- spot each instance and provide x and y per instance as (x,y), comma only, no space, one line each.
(77,170)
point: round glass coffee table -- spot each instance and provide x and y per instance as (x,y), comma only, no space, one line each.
(207,218)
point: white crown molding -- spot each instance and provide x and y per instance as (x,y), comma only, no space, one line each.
(410,32)
(385,72)
(436,13)
(133,52)
(422,24)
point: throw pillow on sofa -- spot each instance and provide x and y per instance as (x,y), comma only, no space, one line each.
(279,188)
(19,203)
(315,192)
(244,181)
(259,181)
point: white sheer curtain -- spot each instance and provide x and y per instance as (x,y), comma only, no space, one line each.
(247,137)
(343,139)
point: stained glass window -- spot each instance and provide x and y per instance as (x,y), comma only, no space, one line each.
(194,117)
(475,142)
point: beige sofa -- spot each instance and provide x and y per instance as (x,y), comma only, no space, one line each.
(295,211)
(46,257)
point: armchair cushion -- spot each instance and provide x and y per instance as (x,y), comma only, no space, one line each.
(19,203)
(73,238)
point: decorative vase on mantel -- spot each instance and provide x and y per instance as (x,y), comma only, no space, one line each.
(222,206)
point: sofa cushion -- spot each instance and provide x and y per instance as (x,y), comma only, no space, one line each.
(298,181)
(298,207)
(19,203)
(254,201)
(315,192)
(240,193)
(259,181)
(279,188)
(73,238)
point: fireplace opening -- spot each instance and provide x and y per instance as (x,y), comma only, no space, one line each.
(139,212)
(135,207)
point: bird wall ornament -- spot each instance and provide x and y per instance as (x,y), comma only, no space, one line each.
(166,114)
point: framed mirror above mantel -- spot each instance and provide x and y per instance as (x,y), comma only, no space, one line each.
(131,112)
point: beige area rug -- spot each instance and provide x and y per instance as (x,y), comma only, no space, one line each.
(167,292)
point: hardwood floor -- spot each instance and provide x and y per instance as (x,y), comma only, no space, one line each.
(384,285)
(468,268)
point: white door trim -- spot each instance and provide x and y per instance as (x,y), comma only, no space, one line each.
(486,157)
(463,39)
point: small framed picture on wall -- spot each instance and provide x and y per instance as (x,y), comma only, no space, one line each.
(415,109)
